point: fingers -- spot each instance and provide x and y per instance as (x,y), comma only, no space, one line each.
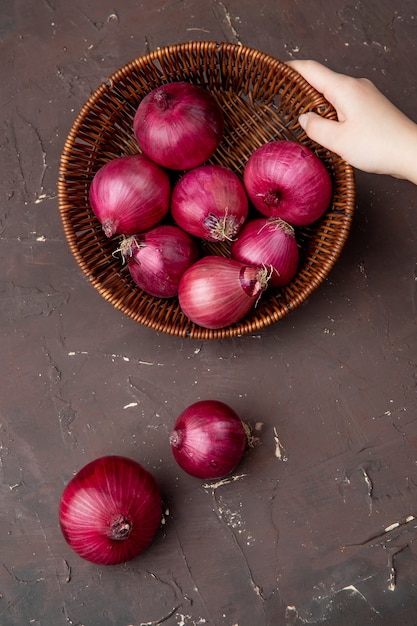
(331,84)
(323,79)
(321,130)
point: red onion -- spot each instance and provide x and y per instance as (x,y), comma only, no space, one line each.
(270,243)
(179,125)
(210,202)
(158,258)
(129,195)
(286,179)
(208,439)
(217,291)
(110,510)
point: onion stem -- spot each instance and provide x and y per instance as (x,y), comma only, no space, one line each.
(271,198)
(162,99)
(120,528)
(251,440)
(222,228)
(109,227)
(125,248)
(175,438)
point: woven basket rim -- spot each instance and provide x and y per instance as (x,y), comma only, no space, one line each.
(222,52)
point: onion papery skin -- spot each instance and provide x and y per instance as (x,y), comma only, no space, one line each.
(179,125)
(210,202)
(269,243)
(130,194)
(217,291)
(208,439)
(110,510)
(159,257)
(286,179)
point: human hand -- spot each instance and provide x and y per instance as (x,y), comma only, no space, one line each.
(371,133)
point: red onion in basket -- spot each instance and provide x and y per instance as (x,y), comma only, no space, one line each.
(179,125)
(129,195)
(217,291)
(269,243)
(158,258)
(208,439)
(110,510)
(210,202)
(286,179)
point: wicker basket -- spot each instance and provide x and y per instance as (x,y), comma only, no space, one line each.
(261,98)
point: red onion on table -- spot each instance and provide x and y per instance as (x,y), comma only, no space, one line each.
(110,510)
(286,179)
(217,291)
(208,439)
(269,243)
(158,258)
(129,195)
(179,125)
(210,202)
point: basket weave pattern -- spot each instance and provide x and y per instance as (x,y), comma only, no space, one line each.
(261,98)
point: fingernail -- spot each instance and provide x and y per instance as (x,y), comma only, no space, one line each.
(302,119)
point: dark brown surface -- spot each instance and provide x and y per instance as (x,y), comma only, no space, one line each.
(305,536)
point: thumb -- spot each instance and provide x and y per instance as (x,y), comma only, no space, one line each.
(320,129)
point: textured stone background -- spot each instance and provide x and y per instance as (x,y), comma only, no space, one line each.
(324,531)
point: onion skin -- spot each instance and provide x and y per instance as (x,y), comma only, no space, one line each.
(110,510)
(179,125)
(130,194)
(208,439)
(210,202)
(288,180)
(159,257)
(217,291)
(269,243)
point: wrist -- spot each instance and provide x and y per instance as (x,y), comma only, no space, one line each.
(407,161)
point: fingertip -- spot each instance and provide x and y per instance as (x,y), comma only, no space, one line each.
(321,130)
(302,120)
(307,120)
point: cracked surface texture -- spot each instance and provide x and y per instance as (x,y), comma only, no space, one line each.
(318,525)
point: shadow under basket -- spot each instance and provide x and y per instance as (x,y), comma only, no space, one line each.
(261,98)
